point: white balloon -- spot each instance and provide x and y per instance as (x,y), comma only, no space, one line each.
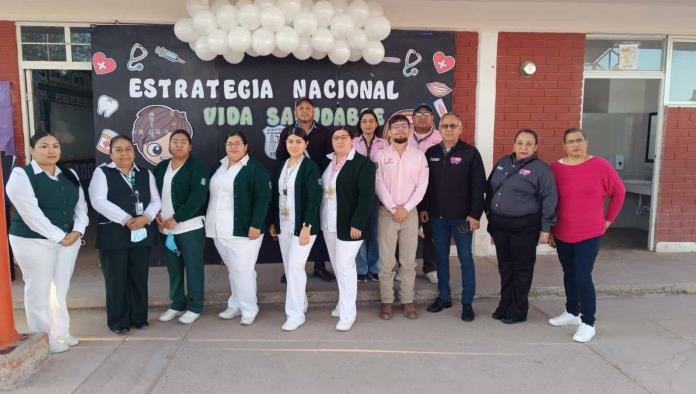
(279,54)
(226,16)
(195,6)
(358,39)
(307,4)
(251,52)
(377,28)
(290,8)
(304,49)
(204,22)
(272,18)
(218,4)
(203,50)
(324,12)
(264,3)
(340,53)
(375,8)
(342,26)
(340,6)
(305,23)
(287,39)
(248,16)
(183,30)
(233,57)
(239,39)
(373,52)
(192,45)
(355,55)
(359,11)
(217,41)
(206,56)
(316,55)
(323,40)
(263,42)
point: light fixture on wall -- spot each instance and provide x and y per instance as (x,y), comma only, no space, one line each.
(528,69)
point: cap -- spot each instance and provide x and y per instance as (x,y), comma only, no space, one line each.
(304,100)
(422,104)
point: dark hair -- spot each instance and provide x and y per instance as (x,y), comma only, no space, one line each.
(118,138)
(398,118)
(344,128)
(183,132)
(303,100)
(238,134)
(298,132)
(573,130)
(69,175)
(155,121)
(378,130)
(528,131)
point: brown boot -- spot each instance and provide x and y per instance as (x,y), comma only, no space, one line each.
(385,311)
(410,311)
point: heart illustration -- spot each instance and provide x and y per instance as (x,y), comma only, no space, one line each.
(442,62)
(103,64)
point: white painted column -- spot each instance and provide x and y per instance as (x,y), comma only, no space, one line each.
(485,120)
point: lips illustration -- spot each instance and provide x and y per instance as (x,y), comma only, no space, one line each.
(106,106)
(438,89)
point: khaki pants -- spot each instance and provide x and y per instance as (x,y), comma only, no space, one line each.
(406,234)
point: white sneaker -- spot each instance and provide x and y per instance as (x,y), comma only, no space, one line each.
(228,314)
(344,325)
(565,319)
(170,314)
(189,317)
(247,320)
(432,277)
(58,347)
(69,340)
(335,313)
(585,333)
(292,325)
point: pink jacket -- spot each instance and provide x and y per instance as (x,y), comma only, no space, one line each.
(401,180)
(378,144)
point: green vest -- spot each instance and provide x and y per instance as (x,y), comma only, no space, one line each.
(307,196)
(189,188)
(57,200)
(112,235)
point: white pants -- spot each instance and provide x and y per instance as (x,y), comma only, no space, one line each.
(239,255)
(294,260)
(46,268)
(342,255)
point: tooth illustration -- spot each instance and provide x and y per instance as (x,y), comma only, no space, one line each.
(106,106)
(438,89)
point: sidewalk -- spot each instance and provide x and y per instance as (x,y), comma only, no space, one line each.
(616,273)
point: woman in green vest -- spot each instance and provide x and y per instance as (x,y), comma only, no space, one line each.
(127,201)
(240,193)
(50,217)
(182,182)
(295,215)
(348,180)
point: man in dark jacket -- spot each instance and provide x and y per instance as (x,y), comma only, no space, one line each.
(319,140)
(453,204)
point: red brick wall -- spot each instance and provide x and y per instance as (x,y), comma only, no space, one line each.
(464,99)
(676,218)
(9,71)
(550,101)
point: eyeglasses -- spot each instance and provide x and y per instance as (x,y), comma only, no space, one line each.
(449,126)
(575,142)
(399,126)
(340,137)
(422,114)
(234,144)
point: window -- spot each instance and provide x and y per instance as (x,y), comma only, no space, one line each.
(605,55)
(682,86)
(56,44)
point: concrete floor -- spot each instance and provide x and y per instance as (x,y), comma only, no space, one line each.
(644,344)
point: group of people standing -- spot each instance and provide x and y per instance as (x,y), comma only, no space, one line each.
(358,197)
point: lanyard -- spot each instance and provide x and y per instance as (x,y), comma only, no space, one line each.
(289,170)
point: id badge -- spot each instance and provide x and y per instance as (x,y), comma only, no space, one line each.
(330,192)
(139,210)
(285,213)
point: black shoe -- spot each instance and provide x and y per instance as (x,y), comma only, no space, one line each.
(467,312)
(508,320)
(283,279)
(121,331)
(324,275)
(373,277)
(498,314)
(439,305)
(362,278)
(142,326)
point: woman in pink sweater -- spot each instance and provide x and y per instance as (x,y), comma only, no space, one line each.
(584,183)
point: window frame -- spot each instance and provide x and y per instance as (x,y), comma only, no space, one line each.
(67,64)
(668,69)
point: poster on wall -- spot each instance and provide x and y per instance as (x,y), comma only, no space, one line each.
(147,83)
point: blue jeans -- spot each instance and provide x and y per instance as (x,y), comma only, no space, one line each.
(368,255)
(577,260)
(443,231)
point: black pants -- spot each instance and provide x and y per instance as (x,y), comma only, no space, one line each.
(515,239)
(429,254)
(125,276)
(578,260)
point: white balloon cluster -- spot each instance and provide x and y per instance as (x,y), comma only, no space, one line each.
(345,32)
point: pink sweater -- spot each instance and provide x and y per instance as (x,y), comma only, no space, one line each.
(582,191)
